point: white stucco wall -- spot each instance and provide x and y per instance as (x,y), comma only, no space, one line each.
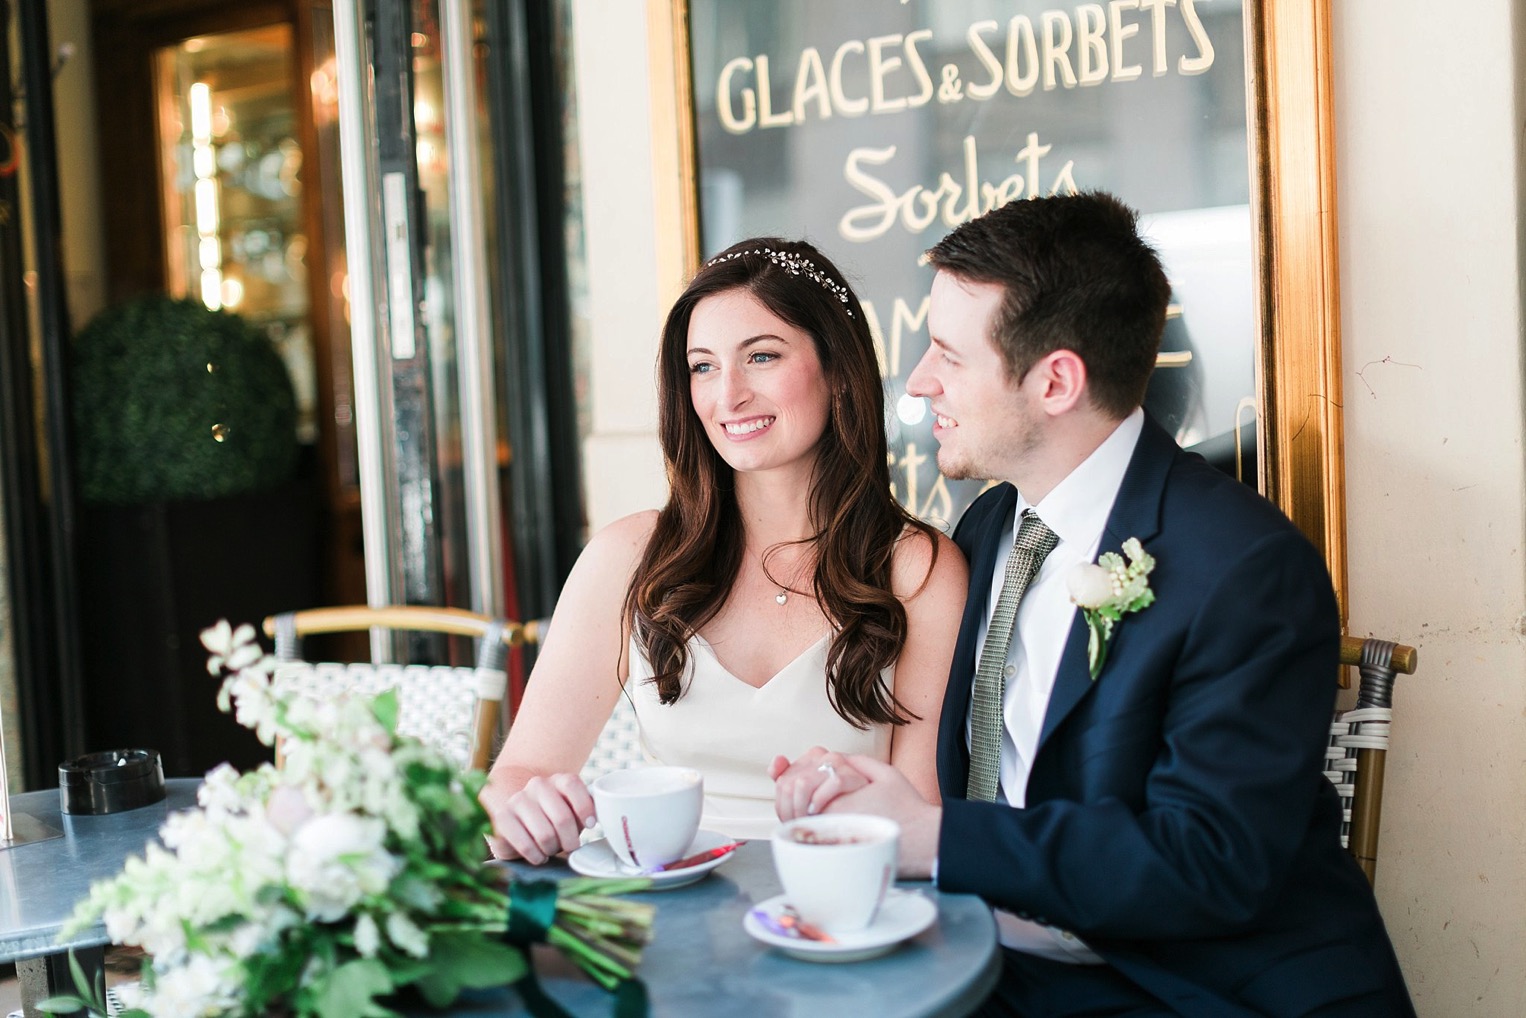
(1429,166)
(1430,159)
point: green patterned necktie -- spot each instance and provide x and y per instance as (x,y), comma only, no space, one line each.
(1034,542)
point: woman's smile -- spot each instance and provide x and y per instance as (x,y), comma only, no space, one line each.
(748,428)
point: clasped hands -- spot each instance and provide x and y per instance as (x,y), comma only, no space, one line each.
(811,782)
(821,781)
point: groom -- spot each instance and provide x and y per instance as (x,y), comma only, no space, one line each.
(1154,833)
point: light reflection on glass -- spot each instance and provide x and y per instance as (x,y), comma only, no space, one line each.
(235,226)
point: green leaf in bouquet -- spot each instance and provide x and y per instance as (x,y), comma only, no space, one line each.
(97,988)
(271,974)
(384,706)
(350,991)
(412,891)
(87,997)
(465,961)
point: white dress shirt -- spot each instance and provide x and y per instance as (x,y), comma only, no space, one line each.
(1076,510)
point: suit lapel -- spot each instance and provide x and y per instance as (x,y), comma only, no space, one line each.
(1135,513)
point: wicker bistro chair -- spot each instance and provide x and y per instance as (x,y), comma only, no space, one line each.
(458,710)
(1354,759)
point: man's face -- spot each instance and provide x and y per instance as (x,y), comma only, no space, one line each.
(985,422)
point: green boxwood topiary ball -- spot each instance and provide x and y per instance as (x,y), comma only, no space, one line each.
(173,401)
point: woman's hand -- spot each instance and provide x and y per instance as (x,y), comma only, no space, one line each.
(808,786)
(544,817)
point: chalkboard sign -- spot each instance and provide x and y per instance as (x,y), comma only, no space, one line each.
(873,127)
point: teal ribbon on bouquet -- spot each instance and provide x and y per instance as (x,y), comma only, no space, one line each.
(532,911)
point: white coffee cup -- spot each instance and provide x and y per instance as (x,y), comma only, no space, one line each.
(836,868)
(649,814)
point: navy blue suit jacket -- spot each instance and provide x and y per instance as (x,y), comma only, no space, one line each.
(1177,818)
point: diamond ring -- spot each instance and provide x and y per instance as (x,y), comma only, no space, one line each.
(828,769)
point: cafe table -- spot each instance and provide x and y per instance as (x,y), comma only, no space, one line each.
(701,963)
(42,881)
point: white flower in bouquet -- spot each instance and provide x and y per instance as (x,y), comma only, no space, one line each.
(367,936)
(230,650)
(219,794)
(405,936)
(287,809)
(354,869)
(336,859)
(202,986)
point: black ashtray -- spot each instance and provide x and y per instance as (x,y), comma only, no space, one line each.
(110,782)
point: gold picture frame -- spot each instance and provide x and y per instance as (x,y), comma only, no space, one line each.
(1293,204)
(1292,161)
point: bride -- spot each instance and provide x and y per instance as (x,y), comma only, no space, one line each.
(781,600)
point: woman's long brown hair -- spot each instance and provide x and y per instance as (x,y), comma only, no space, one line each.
(696,548)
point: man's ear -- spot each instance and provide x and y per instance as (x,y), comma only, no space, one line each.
(1061,379)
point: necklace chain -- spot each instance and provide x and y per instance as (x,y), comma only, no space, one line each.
(785,590)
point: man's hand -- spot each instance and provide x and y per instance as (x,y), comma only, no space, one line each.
(812,783)
(889,794)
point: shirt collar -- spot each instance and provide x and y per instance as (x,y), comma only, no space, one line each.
(1077,508)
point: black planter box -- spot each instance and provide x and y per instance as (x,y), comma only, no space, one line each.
(151,578)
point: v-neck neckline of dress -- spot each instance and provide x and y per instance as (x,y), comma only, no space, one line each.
(770,680)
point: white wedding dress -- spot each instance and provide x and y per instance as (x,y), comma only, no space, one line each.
(729,731)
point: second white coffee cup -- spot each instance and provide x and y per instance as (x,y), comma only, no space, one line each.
(649,814)
(836,868)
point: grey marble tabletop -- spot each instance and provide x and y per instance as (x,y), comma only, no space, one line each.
(702,964)
(41,882)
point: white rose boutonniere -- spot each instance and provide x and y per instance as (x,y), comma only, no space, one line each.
(1105,591)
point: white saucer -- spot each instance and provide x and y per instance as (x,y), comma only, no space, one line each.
(903,915)
(597,859)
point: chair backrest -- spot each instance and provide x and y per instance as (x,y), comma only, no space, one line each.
(455,709)
(1354,760)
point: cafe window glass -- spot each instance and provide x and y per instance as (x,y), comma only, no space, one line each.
(232,173)
(872,129)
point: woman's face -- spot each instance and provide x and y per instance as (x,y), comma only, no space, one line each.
(756,383)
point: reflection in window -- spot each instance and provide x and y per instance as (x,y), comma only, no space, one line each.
(232,179)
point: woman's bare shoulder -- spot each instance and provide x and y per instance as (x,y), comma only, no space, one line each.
(926,562)
(633,530)
(614,550)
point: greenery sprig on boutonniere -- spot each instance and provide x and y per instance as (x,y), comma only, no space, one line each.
(1106,591)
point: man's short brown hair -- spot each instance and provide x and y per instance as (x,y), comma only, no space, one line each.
(1076,276)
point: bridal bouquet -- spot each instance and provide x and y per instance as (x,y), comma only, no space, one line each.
(325,885)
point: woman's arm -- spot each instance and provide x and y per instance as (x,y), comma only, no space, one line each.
(537,802)
(934,594)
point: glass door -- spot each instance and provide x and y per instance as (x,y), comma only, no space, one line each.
(232,167)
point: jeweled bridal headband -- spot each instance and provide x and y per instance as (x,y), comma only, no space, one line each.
(795,265)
